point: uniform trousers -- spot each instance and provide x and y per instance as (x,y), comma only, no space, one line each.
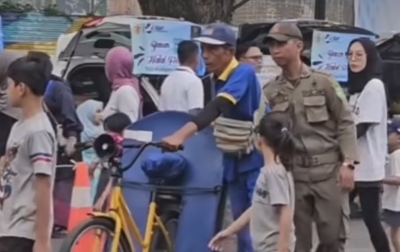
(325,203)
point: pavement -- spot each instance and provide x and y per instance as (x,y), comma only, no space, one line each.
(359,240)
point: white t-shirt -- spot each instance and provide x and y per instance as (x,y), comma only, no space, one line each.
(125,100)
(31,150)
(182,90)
(369,106)
(391,193)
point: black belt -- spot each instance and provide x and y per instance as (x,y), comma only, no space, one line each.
(316,160)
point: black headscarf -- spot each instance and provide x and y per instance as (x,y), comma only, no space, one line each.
(373,68)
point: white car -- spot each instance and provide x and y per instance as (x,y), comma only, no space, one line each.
(84,71)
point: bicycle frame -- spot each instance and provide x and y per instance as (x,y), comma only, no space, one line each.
(124,222)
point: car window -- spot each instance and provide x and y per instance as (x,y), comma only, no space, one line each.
(83,85)
(126,34)
(91,83)
(85,47)
(390,51)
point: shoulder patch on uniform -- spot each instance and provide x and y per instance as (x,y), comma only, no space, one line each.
(321,72)
(339,91)
(269,83)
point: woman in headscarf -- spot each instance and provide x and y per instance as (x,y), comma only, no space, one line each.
(92,128)
(125,97)
(368,101)
(8,114)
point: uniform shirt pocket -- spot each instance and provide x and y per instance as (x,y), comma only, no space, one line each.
(315,108)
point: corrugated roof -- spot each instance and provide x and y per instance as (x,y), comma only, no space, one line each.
(33,31)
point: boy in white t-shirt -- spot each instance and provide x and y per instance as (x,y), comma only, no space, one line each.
(391,193)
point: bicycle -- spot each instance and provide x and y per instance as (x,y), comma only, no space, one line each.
(118,222)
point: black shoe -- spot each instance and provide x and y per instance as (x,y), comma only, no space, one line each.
(59,232)
(355,212)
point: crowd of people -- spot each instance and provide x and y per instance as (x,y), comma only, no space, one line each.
(315,145)
(312,144)
(40,128)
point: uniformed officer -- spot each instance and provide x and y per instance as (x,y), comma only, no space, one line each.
(320,119)
(238,98)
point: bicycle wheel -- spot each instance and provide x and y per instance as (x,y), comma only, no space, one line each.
(94,225)
(159,241)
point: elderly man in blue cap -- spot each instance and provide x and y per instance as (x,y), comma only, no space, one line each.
(237,98)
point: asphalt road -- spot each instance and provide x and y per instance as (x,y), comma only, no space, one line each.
(359,240)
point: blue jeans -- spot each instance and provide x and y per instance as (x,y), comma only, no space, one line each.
(240,193)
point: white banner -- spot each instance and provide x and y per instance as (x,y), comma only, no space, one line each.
(378,16)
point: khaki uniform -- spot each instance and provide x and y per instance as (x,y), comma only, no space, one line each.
(320,119)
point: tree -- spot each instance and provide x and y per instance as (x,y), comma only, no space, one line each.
(198,11)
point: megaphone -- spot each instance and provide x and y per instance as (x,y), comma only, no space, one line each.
(107,146)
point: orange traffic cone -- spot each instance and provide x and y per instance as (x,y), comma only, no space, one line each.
(81,205)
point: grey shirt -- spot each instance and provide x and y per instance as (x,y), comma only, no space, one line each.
(274,188)
(31,150)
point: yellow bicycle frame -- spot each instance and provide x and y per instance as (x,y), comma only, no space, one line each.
(124,223)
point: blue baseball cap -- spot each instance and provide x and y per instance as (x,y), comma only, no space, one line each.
(218,34)
(394,126)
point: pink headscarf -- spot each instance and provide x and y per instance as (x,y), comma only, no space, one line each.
(119,67)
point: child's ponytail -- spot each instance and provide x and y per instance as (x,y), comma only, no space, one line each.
(278,137)
(286,148)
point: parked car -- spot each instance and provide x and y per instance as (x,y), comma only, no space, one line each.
(389,50)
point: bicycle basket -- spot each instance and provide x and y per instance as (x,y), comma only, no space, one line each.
(164,167)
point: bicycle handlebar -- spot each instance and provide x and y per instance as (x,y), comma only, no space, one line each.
(142,147)
(83,146)
(87,145)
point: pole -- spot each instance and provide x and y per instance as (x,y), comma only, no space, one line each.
(320,9)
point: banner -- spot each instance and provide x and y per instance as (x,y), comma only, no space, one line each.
(1,35)
(328,52)
(154,45)
(381,17)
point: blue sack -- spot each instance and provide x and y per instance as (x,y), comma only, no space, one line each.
(164,167)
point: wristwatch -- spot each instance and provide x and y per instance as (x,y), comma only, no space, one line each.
(349,165)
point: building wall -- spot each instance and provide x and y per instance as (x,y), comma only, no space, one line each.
(72,7)
(124,7)
(36,32)
(84,7)
(381,17)
(271,10)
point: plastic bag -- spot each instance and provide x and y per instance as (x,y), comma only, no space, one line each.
(164,167)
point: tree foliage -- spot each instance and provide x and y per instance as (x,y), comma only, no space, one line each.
(198,11)
(9,6)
